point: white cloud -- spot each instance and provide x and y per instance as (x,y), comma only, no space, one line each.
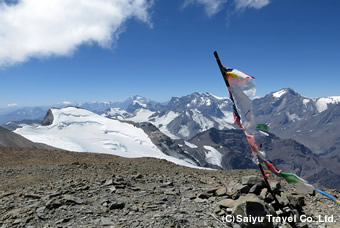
(214,6)
(35,28)
(211,6)
(12,105)
(257,4)
(66,102)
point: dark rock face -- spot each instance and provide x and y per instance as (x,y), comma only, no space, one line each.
(165,144)
(294,116)
(11,139)
(285,109)
(287,154)
(232,144)
(48,120)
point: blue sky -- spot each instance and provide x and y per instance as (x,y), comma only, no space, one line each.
(102,51)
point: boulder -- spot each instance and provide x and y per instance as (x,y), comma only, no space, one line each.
(253,212)
(253,180)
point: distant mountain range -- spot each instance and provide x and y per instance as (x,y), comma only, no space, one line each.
(313,122)
(38,113)
(77,129)
(198,130)
(183,117)
(287,154)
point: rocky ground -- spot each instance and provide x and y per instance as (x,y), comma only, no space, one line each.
(63,189)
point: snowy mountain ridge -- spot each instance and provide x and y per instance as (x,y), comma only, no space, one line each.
(313,122)
(80,130)
(184,117)
(287,113)
(321,103)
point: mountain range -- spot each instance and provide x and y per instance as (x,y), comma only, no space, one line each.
(198,130)
(312,122)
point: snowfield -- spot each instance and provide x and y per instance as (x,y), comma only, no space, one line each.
(322,103)
(213,156)
(79,130)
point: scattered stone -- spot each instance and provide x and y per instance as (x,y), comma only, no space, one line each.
(53,204)
(211,191)
(137,176)
(72,199)
(17,221)
(221,191)
(167,184)
(297,201)
(135,189)
(134,208)
(269,198)
(41,212)
(283,200)
(253,180)
(192,197)
(106,222)
(252,206)
(113,189)
(63,220)
(108,182)
(121,186)
(275,186)
(256,189)
(263,193)
(237,190)
(203,196)
(129,194)
(217,209)
(117,205)
(199,200)
(226,203)
(32,196)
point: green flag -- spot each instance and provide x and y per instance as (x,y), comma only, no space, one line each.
(290,177)
(262,127)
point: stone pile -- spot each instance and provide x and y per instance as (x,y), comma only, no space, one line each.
(251,200)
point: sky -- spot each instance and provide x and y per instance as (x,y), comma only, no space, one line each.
(107,50)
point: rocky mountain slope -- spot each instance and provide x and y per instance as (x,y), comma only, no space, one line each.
(11,139)
(63,189)
(184,117)
(83,131)
(312,122)
(290,156)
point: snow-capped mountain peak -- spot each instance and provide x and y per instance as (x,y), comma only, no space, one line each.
(184,117)
(80,130)
(279,93)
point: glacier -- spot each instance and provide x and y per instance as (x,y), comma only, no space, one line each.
(79,130)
